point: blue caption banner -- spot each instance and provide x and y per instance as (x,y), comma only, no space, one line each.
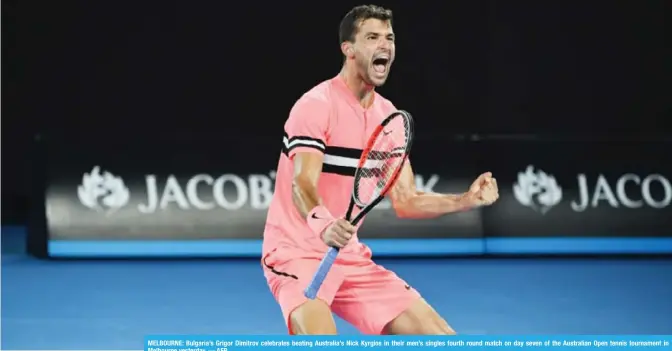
(373,343)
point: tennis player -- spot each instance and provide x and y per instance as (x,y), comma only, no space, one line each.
(324,137)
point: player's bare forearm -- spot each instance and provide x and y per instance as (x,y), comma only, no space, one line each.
(307,169)
(305,196)
(430,205)
(408,202)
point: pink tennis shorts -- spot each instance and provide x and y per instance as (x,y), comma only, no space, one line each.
(360,291)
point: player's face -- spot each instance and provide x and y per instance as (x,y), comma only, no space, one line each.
(374,50)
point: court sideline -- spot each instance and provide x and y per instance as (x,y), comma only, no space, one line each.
(113,304)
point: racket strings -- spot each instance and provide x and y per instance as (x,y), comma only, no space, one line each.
(382,161)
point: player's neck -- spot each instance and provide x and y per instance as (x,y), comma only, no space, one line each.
(362,90)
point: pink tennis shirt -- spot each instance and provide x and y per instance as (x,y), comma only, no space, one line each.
(328,120)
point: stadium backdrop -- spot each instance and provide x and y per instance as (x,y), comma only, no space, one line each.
(202,196)
(116,83)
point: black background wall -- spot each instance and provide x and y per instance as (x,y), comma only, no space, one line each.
(156,70)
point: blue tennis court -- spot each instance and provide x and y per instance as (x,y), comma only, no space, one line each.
(113,304)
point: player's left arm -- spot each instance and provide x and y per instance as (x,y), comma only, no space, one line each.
(408,202)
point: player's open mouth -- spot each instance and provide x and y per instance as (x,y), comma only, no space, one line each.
(380,64)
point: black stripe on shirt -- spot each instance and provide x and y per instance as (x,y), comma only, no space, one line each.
(301,141)
(350,156)
(340,170)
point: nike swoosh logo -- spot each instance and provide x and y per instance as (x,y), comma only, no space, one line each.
(387,132)
(316,217)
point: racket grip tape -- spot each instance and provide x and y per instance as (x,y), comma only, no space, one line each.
(321,274)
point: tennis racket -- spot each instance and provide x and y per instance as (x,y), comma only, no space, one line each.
(379,166)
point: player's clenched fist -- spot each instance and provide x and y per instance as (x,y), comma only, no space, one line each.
(338,233)
(483,191)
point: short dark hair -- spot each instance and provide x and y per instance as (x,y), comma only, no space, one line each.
(350,23)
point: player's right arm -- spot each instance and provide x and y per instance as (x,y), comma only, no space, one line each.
(307,170)
(306,131)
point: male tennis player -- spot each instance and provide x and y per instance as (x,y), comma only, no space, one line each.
(324,137)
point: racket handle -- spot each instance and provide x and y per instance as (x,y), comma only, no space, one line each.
(321,274)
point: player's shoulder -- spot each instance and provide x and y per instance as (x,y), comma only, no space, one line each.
(318,96)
